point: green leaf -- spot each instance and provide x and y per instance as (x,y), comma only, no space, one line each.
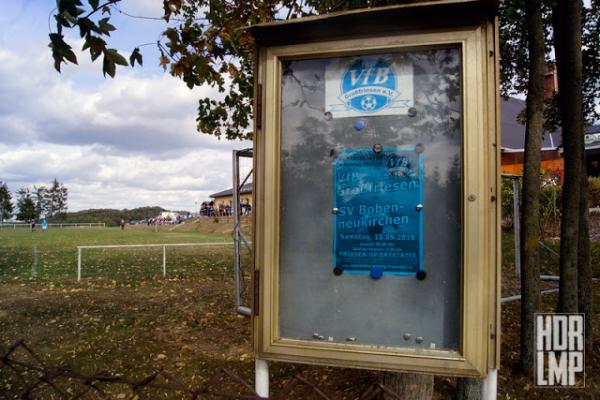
(86,26)
(135,56)
(61,51)
(96,46)
(69,6)
(61,21)
(108,66)
(69,55)
(105,27)
(94,3)
(115,57)
(69,18)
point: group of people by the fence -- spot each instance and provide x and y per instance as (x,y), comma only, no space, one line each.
(207,209)
(211,209)
(166,220)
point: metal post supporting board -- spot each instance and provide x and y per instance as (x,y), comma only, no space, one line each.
(238,236)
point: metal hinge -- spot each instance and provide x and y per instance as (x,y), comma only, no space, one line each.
(256,285)
(258,108)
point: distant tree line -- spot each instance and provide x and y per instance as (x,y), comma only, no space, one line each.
(33,203)
(111,217)
(6,206)
(51,202)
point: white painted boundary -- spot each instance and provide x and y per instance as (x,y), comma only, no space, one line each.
(126,246)
(65,225)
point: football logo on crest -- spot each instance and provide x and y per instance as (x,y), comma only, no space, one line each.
(368,87)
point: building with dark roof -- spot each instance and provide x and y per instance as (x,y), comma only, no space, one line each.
(592,150)
(225,197)
(512,150)
(513,132)
(513,143)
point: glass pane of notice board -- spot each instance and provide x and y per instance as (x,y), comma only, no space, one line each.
(370,246)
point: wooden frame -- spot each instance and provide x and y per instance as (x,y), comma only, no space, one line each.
(480,198)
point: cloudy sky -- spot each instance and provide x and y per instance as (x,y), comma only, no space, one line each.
(115,143)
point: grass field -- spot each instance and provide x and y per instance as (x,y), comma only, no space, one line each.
(52,255)
(125,318)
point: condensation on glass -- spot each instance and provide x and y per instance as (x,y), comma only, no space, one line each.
(394,310)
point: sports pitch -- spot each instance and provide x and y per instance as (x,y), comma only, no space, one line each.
(125,318)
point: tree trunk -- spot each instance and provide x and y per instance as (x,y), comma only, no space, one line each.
(530,216)
(566,22)
(409,386)
(584,266)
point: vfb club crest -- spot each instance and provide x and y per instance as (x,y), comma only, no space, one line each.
(368,87)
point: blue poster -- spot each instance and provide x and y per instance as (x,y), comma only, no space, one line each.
(378,211)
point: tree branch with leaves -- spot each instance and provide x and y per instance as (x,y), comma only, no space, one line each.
(206,46)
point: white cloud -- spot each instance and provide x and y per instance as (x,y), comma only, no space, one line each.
(145,8)
(123,142)
(130,113)
(96,178)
